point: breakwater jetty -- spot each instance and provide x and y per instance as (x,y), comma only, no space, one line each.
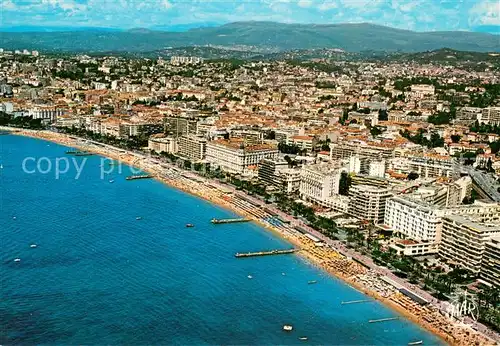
(135,177)
(79,153)
(265,253)
(384,319)
(357,301)
(223,221)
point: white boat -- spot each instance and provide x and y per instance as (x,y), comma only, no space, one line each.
(13,218)
(419,342)
(287,328)
(138,218)
(250,276)
(17,260)
(303,338)
(111,181)
(33,246)
(283,274)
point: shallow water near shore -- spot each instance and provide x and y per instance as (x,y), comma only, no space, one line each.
(99,276)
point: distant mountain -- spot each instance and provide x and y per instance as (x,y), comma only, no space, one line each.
(34,28)
(268,36)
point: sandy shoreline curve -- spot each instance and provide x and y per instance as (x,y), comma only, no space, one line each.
(329,260)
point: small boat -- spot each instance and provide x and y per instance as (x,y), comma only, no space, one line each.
(13,218)
(287,328)
(111,181)
(17,260)
(303,338)
(283,274)
(33,246)
(138,218)
(419,342)
(189,225)
(250,276)
(312,282)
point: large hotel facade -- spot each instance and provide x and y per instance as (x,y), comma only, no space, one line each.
(234,156)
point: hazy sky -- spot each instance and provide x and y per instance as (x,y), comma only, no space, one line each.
(420,15)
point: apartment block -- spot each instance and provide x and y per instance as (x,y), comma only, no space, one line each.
(269,171)
(192,147)
(490,266)
(422,90)
(467,115)
(464,239)
(490,115)
(290,179)
(185,60)
(368,202)
(304,142)
(180,126)
(432,166)
(129,129)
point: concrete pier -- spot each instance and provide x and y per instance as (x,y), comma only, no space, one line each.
(223,221)
(265,253)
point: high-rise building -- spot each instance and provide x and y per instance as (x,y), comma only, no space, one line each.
(464,238)
(319,184)
(269,171)
(490,266)
(180,126)
(192,147)
(490,115)
(415,220)
(368,202)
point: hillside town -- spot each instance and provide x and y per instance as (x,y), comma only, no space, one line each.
(398,161)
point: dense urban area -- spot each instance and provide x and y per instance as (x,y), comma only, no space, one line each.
(397,161)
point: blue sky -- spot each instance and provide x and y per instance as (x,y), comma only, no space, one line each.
(420,15)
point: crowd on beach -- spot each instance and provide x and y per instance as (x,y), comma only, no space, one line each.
(326,256)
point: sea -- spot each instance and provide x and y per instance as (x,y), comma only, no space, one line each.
(104,260)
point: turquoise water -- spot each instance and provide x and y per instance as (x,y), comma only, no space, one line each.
(99,276)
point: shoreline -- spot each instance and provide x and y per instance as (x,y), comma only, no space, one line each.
(325,258)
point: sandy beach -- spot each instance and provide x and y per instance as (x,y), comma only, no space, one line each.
(325,257)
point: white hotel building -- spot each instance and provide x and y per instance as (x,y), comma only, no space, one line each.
(422,222)
(233,156)
(415,220)
(319,184)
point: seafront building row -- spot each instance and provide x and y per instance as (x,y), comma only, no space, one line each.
(400,152)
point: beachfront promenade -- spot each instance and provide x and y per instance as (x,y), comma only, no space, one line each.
(335,258)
